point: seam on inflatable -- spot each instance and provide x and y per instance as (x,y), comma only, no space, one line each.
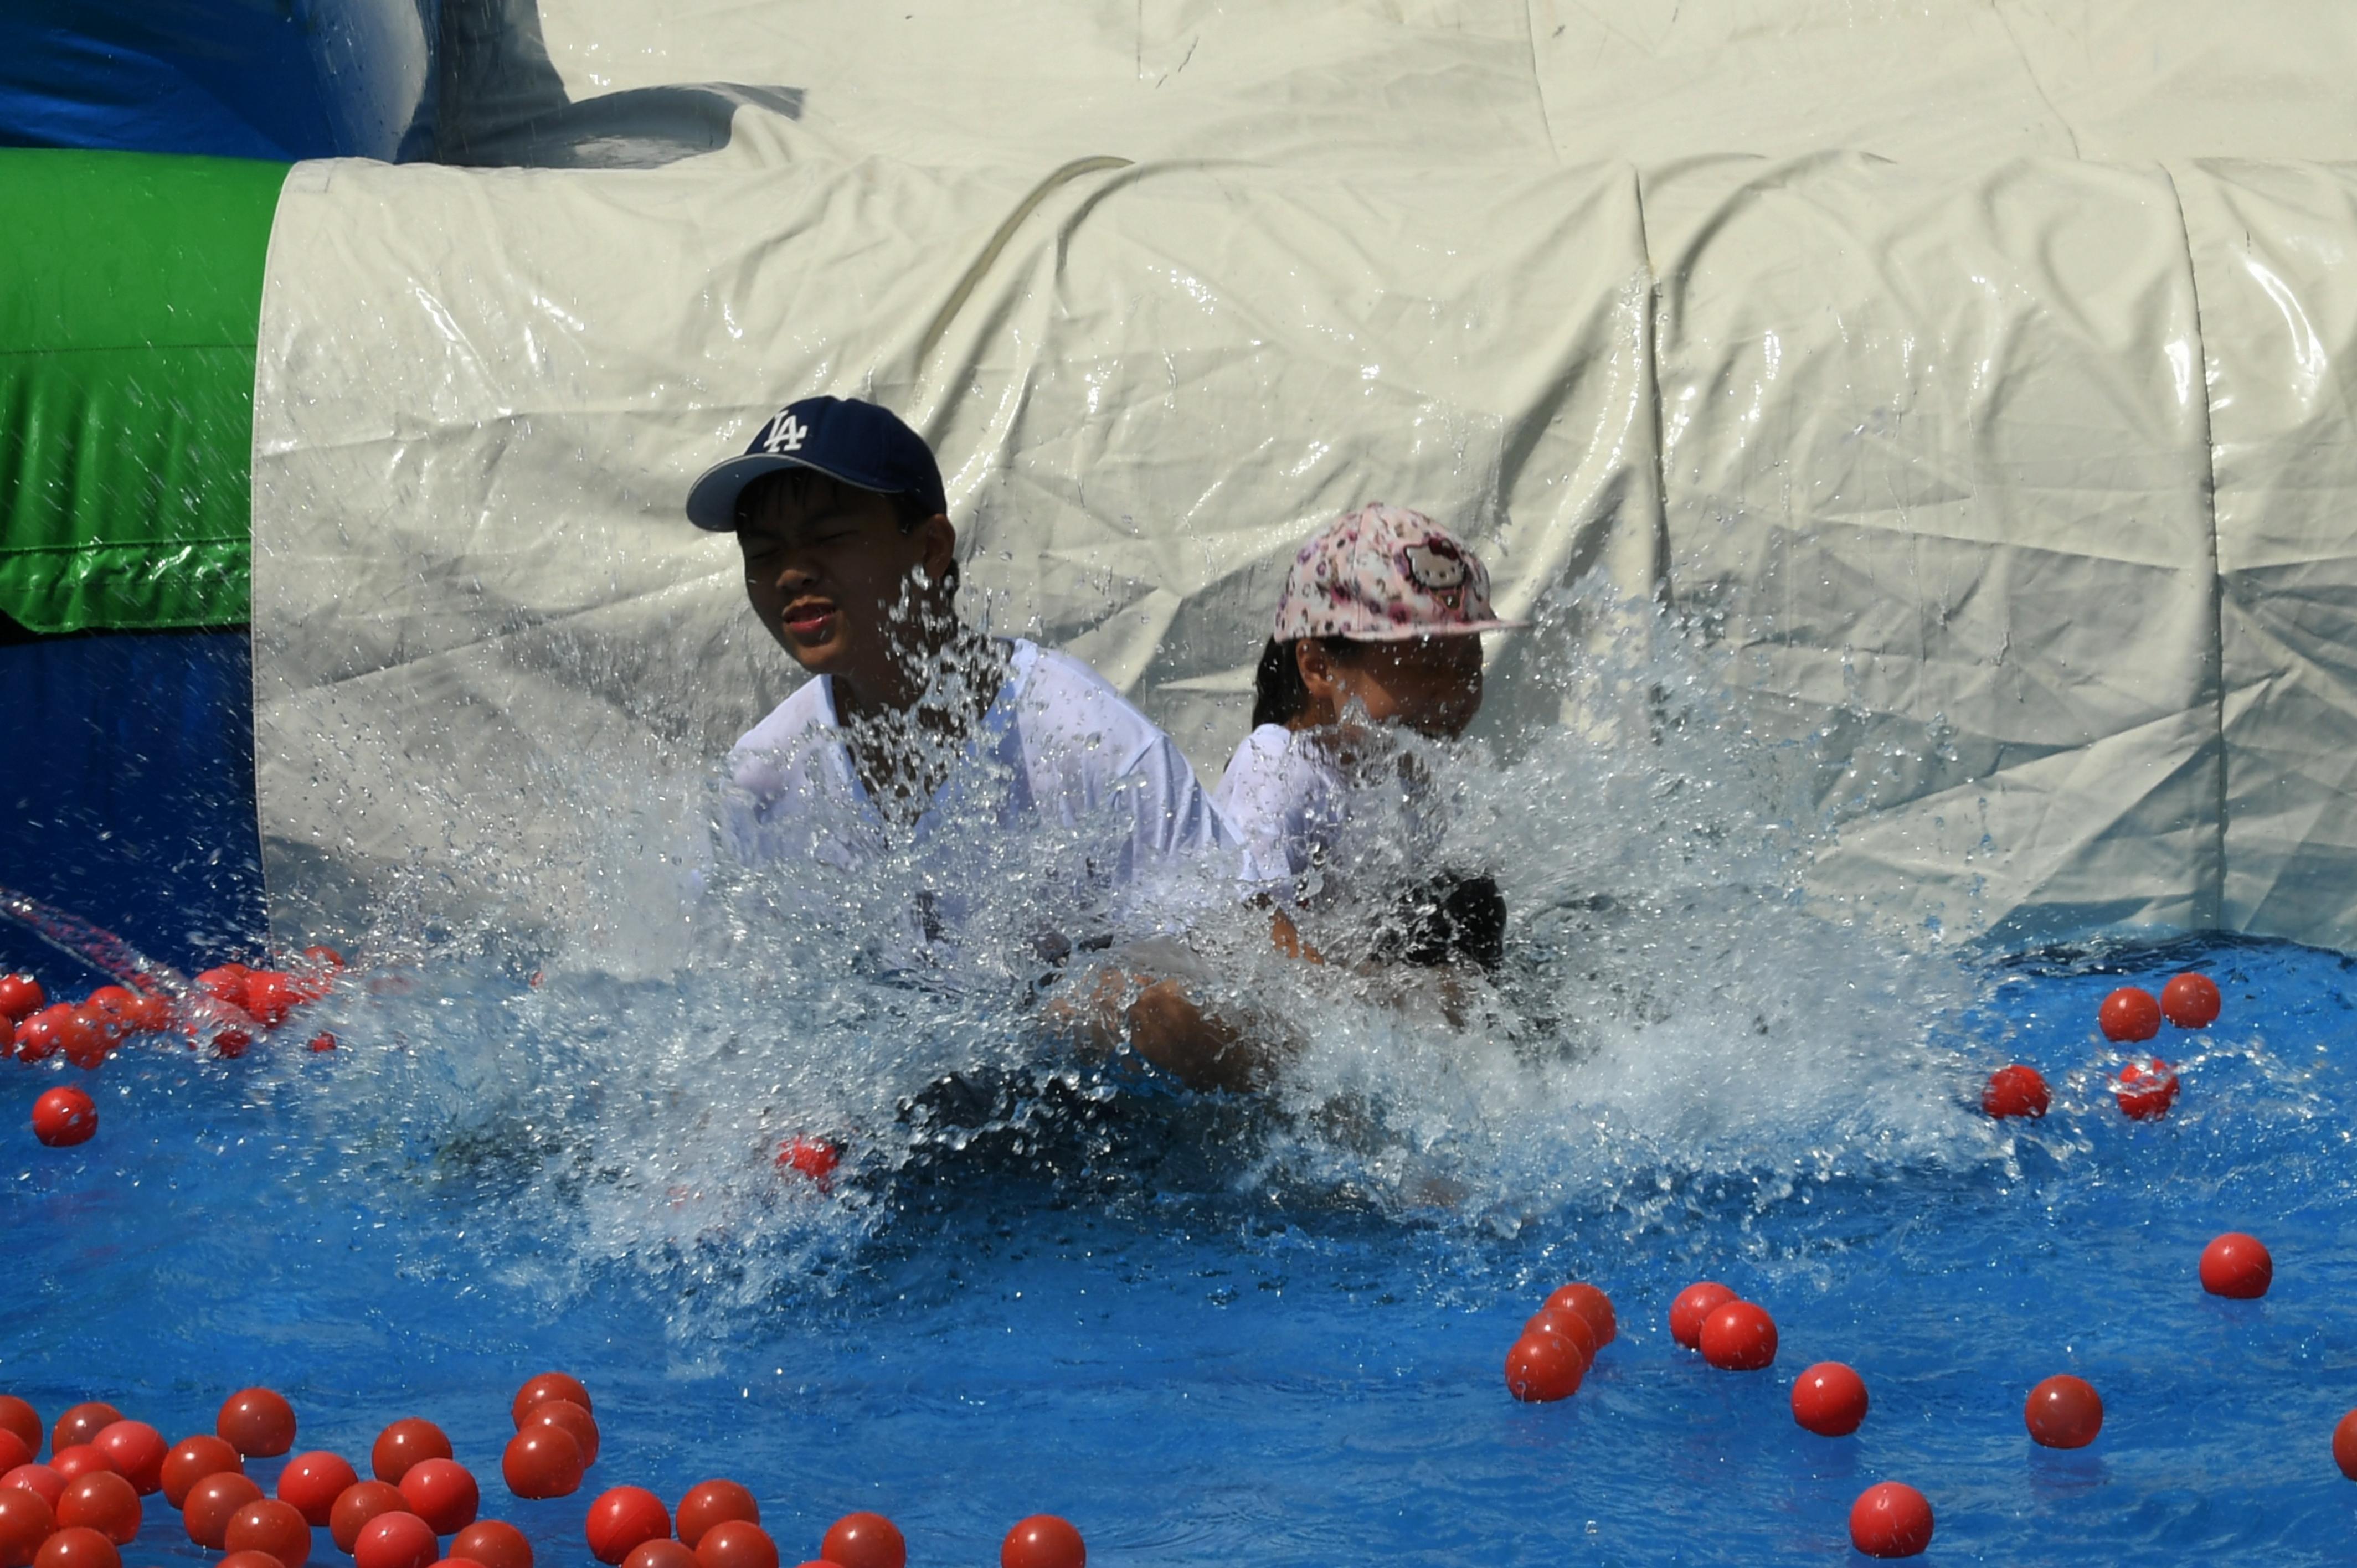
(2215,918)
(972,277)
(252,559)
(1660,590)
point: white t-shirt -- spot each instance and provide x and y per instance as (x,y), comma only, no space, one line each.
(1302,821)
(1058,747)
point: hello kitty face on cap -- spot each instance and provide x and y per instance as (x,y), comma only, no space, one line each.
(1385,574)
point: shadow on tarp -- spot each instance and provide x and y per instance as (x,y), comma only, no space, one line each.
(126,793)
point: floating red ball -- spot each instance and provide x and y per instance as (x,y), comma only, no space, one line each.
(1891,1520)
(1695,1303)
(80,1547)
(257,1423)
(662,1552)
(709,1503)
(2063,1411)
(1590,1303)
(13,1452)
(1043,1541)
(20,996)
(736,1543)
(494,1543)
(22,1419)
(105,1502)
(79,1459)
(1570,1326)
(2344,1445)
(2145,1089)
(546,1387)
(273,1527)
(442,1493)
(2191,1002)
(356,1506)
(622,1518)
(249,1558)
(1829,1399)
(1738,1338)
(191,1460)
(574,1420)
(38,1479)
(80,1423)
(403,1444)
(61,1026)
(1542,1368)
(543,1462)
(813,1157)
(213,1502)
(26,1520)
(137,1452)
(2015,1091)
(311,1483)
(225,982)
(2129,1015)
(270,996)
(865,1541)
(2238,1266)
(395,1539)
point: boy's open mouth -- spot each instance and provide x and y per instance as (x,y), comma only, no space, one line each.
(808,620)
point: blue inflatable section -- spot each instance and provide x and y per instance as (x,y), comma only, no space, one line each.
(128,787)
(247,78)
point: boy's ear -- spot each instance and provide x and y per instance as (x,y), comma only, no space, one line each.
(937,546)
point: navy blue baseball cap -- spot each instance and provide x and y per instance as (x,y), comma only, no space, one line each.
(855,443)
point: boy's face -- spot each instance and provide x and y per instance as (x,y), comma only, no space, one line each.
(825,564)
(1429,684)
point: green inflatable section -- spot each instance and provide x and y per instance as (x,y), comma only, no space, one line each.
(130,289)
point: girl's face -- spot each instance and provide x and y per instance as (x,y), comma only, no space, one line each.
(1429,684)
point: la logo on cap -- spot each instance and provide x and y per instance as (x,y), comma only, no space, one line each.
(786,433)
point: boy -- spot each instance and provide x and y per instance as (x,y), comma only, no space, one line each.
(919,730)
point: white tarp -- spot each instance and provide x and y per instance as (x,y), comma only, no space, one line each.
(2013,473)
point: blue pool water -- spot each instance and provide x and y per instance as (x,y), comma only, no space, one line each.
(1209,1332)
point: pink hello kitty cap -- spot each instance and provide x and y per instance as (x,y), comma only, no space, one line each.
(1383,573)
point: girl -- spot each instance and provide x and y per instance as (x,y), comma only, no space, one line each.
(1377,632)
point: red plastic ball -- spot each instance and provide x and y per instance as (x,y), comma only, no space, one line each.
(1542,1368)
(574,1420)
(494,1543)
(149,1013)
(20,996)
(1569,1326)
(1738,1338)
(81,1546)
(442,1493)
(105,1502)
(13,1452)
(546,1387)
(322,1043)
(2344,1445)
(22,1419)
(736,1543)
(1892,1520)
(270,996)
(249,1558)
(38,1479)
(543,1462)
(709,1503)
(61,1026)
(225,982)
(26,1520)
(2238,1266)
(2145,1089)
(1695,1303)
(257,1423)
(109,1007)
(1829,1399)
(324,957)
(191,1460)
(403,1444)
(662,1552)
(2063,1411)
(2015,1091)
(2129,1015)
(865,1541)
(359,1503)
(395,1539)
(80,1423)
(213,1502)
(137,1452)
(79,1459)
(622,1518)
(273,1527)
(1043,1541)
(813,1157)
(311,1483)
(2191,1002)
(64,1116)
(1590,1303)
